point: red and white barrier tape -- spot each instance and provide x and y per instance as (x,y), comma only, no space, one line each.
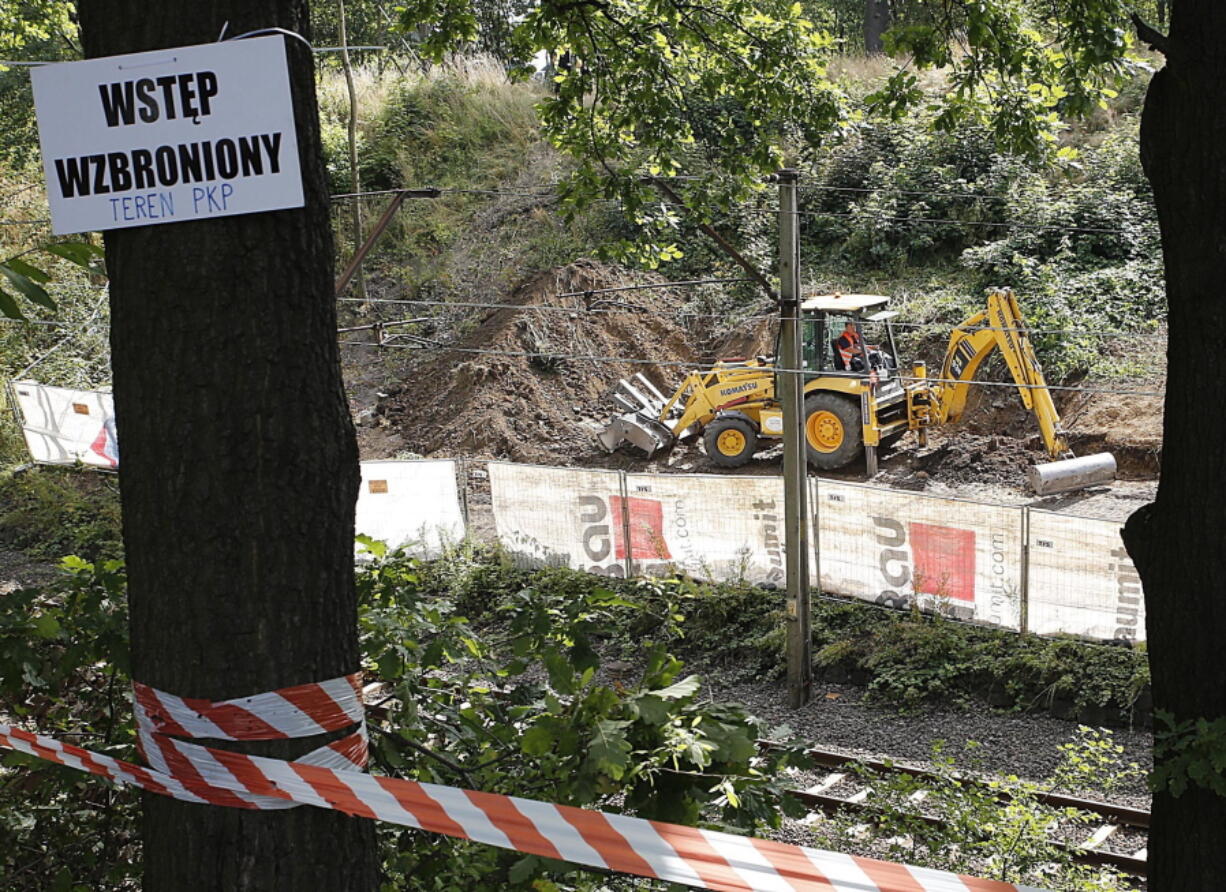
(298,711)
(330,777)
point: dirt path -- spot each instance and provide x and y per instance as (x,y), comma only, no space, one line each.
(18,570)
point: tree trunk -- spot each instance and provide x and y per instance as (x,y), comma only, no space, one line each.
(239,471)
(1176,543)
(876,23)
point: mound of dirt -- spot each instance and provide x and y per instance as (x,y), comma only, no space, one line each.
(1126,425)
(525,384)
(966,459)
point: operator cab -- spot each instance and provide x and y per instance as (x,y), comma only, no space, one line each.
(825,318)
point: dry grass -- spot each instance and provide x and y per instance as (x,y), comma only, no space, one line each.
(485,77)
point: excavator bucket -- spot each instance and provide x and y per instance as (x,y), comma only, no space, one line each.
(1073,473)
(640,425)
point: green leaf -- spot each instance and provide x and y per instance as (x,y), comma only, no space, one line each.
(30,272)
(561,673)
(687,687)
(522,869)
(46,626)
(609,750)
(537,740)
(651,709)
(32,290)
(371,546)
(80,253)
(8,306)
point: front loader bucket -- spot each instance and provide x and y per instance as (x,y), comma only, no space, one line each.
(640,425)
(1073,473)
(637,430)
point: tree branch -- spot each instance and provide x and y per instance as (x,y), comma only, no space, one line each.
(1150,36)
(401,742)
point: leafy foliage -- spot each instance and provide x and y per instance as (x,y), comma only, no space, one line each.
(550,684)
(1189,753)
(20,276)
(912,659)
(63,670)
(658,89)
(30,30)
(53,511)
(1019,68)
(528,706)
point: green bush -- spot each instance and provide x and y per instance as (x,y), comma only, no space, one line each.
(50,511)
(912,659)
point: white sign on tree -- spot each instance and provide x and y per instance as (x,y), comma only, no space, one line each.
(186,133)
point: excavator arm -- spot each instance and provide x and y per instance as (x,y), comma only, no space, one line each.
(999,327)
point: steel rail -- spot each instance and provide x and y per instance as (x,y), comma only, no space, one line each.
(1113,813)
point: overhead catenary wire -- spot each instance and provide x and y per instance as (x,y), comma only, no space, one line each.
(742,317)
(922,193)
(999,224)
(702,369)
(649,286)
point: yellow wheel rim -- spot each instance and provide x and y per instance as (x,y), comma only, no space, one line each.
(824,431)
(730,442)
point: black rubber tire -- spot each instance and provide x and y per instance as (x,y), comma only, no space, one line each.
(848,414)
(710,439)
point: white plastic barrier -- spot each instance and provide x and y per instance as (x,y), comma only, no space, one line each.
(1081,581)
(563,517)
(898,548)
(63,427)
(711,526)
(414,504)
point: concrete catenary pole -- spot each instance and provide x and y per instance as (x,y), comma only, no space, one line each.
(790,385)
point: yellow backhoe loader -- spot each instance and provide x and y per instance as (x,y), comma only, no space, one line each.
(855,399)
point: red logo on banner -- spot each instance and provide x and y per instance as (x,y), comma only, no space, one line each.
(944,561)
(646,530)
(106,445)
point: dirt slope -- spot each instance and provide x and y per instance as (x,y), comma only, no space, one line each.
(542,407)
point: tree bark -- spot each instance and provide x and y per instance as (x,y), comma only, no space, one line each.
(876,23)
(239,471)
(1176,543)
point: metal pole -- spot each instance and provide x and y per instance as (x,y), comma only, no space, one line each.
(1023,619)
(795,468)
(355,182)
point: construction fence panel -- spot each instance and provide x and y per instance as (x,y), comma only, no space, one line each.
(560,517)
(895,548)
(413,505)
(1080,579)
(64,426)
(713,527)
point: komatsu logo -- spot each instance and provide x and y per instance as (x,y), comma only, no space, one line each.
(743,388)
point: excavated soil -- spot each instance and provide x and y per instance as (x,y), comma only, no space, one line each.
(533,395)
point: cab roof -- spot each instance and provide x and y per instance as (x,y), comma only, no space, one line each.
(844,303)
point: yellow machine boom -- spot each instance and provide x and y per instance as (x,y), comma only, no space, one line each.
(999,327)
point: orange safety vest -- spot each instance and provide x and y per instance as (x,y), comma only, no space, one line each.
(849,346)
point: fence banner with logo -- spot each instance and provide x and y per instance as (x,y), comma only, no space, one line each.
(1081,581)
(713,527)
(898,548)
(560,517)
(415,504)
(63,426)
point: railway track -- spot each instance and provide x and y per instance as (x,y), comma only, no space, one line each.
(1116,840)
